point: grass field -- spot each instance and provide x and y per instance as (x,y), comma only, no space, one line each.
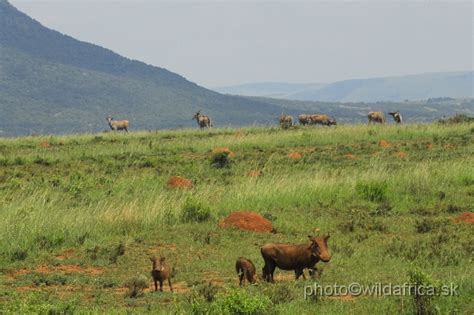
(82,214)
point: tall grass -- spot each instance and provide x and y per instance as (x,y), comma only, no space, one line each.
(83,191)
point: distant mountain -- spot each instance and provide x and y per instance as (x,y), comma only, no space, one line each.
(410,87)
(269,89)
(53,83)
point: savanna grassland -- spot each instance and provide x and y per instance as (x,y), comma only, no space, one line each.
(82,214)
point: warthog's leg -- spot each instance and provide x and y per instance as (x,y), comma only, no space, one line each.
(298,273)
(169,283)
(241,277)
(156,285)
(161,285)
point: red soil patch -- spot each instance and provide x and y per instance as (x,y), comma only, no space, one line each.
(295,155)
(401,155)
(224,149)
(254,173)
(248,221)
(66,254)
(466,217)
(45,144)
(350,156)
(179,182)
(384,144)
(62,268)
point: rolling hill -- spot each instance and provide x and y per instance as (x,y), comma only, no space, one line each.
(53,83)
(396,89)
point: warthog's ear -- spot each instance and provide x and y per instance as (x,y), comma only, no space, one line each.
(310,237)
(327,237)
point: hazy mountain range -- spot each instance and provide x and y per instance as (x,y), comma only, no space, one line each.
(52,83)
(400,88)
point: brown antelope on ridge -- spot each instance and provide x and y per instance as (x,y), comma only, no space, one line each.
(376,117)
(202,120)
(117,124)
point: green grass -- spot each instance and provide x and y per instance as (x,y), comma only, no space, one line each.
(104,200)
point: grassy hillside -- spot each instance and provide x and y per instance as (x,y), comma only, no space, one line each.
(81,215)
(53,83)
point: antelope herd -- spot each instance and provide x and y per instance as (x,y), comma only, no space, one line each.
(286,121)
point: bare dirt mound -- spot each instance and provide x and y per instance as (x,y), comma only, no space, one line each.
(350,156)
(384,144)
(179,182)
(254,173)
(466,217)
(295,155)
(401,154)
(248,221)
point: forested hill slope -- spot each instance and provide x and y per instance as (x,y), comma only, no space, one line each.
(53,83)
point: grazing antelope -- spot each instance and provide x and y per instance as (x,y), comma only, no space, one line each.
(397,117)
(286,121)
(324,120)
(378,117)
(117,124)
(304,119)
(202,120)
(161,271)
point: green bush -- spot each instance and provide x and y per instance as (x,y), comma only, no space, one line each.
(372,191)
(422,284)
(194,211)
(136,285)
(221,160)
(238,301)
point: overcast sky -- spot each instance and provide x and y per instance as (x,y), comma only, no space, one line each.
(232,42)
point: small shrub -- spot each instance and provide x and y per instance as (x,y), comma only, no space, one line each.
(194,211)
(426,225)
(208,292)
(372,191)
(136,285)
(49,279)
(221,160)
(237,301)
(19,254)
(278,293)
(422,283)
(116,252)
(453,208)
(383,209)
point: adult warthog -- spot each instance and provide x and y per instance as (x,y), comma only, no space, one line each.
(295,257)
